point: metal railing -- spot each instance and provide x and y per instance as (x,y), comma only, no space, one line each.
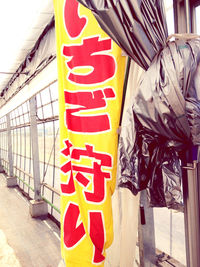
(48,148)
(16,125)
(3,143)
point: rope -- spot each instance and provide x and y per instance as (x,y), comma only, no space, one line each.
(183,36)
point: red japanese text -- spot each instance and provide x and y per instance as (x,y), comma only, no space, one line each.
(87,101)
(90,54)
(74,24)
(97,235)
(98,161)
(73,234)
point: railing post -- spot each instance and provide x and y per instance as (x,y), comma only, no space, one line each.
(34,145)
(191,189)
(11,181)
(1,166)
(146,234)
(37,206)
(188,16)
(10,157)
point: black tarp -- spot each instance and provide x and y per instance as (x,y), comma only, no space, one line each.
(163,121)
(165,117)
(138,26)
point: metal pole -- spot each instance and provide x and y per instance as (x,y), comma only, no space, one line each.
(191,190)
(188,17)
(1,167)
(192,214)
(35,152)
(175,16)
(0,156)
(125,88)
(146,234)
(171,233)
(10,157)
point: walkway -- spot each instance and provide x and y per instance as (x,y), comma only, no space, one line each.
(35,242)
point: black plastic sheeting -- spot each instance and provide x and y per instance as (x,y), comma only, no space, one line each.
(165,123)
(41,54)
(164,119)
(138,27)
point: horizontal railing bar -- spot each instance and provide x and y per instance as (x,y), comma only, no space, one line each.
(4,149)
(50,204)
(51,188)
(20,126)
(49,119)
(44,184)
(6,161)
(26,173)
(25,183)
(43,197)
(39,121)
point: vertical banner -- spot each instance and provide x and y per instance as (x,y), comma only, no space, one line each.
(90,77)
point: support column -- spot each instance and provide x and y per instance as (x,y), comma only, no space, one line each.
(1,166)
(191,188)
(191,164)
(188,16)
(38,207)
(146,234)
(11,181)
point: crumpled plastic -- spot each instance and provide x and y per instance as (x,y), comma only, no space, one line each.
(155,166)
(137,26)
(163,120)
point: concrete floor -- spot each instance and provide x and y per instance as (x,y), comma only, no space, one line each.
(34,242)
(28,242)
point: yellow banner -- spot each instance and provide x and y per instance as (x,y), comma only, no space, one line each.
(90,78)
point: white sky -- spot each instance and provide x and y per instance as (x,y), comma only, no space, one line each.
(197,16)
(16,17)
(169,15)
(21,23)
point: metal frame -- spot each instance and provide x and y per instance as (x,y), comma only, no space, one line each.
(184,22)
(47,158)
(3,144)
(48,125)
(146,233)
(37,118)
(34,142)
(191,185)
(10,156)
